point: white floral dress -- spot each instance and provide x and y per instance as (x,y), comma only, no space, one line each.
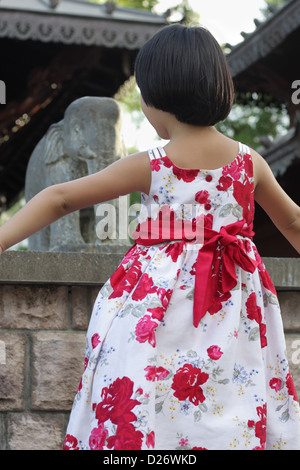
(185,347)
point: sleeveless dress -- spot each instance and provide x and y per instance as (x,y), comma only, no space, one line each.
(185,348)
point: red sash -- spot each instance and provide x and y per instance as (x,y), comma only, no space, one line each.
(215,264)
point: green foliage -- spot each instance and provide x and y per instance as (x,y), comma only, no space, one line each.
(249,123)
(275,3)
(141,4)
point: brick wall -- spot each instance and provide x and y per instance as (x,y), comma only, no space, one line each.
(45,303)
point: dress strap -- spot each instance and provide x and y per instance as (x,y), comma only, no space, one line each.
(244,149)
(155,153)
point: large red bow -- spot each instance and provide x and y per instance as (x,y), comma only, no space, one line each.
(215,264)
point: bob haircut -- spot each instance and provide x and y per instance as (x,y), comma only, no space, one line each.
(182,70)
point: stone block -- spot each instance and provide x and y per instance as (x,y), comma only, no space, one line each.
(33,307)
(290,308)
(12,372)
(2,432)
(80,307)
(34,431)
(57,366)
(293,354)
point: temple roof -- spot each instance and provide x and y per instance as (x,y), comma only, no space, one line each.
(77,22)
(266,64)
(265,61)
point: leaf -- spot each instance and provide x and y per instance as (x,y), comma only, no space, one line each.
(197,416)
(272,298)
(203,407)
(138,311)
(224,381)
(153,302)
(265,298)
(226,210)
(158,407)
(190,295)
(285,416)
(191,353)
(237,211)
(106,290)
(254,334)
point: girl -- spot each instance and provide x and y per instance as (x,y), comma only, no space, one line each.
(185,348)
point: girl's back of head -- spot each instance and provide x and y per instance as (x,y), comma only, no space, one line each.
(182,70)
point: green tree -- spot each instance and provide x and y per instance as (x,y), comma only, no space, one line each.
(254,116)
(270,5)
(140,4)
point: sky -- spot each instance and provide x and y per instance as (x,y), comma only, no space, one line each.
(225,19)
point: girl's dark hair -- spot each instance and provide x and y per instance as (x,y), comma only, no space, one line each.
(182,70)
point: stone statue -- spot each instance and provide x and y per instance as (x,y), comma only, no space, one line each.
(84,142)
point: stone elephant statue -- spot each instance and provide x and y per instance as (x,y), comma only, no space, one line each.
(85,141)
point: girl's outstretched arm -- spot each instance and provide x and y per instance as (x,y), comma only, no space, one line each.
(281,209)
(124,176)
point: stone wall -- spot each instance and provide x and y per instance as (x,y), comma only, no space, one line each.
(45,303)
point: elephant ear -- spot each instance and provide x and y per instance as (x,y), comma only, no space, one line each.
(54,144)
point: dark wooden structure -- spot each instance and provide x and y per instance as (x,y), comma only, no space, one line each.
(53,52)
(266,63)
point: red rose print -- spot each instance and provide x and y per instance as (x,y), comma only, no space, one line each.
(155,164)
(157,313)
(185,174)
(263,338)
(291,386)
(224,183)
(233,169)
(260,426)
(214,352)
(174,250)
(98,437)
(254,313)
(241,192)
(186,384)
(276,384)
(116,403)
(95,340)
(145,330)
(154,373)
(144,287)
(202,197)
(70,443)
(150,440)
(86,361)
(125,279)
(165,296)
(199,448)
(126,438)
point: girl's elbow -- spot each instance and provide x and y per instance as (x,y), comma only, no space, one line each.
(57,197)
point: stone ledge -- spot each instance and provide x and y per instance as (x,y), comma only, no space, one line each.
(30,267)
(95,268)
